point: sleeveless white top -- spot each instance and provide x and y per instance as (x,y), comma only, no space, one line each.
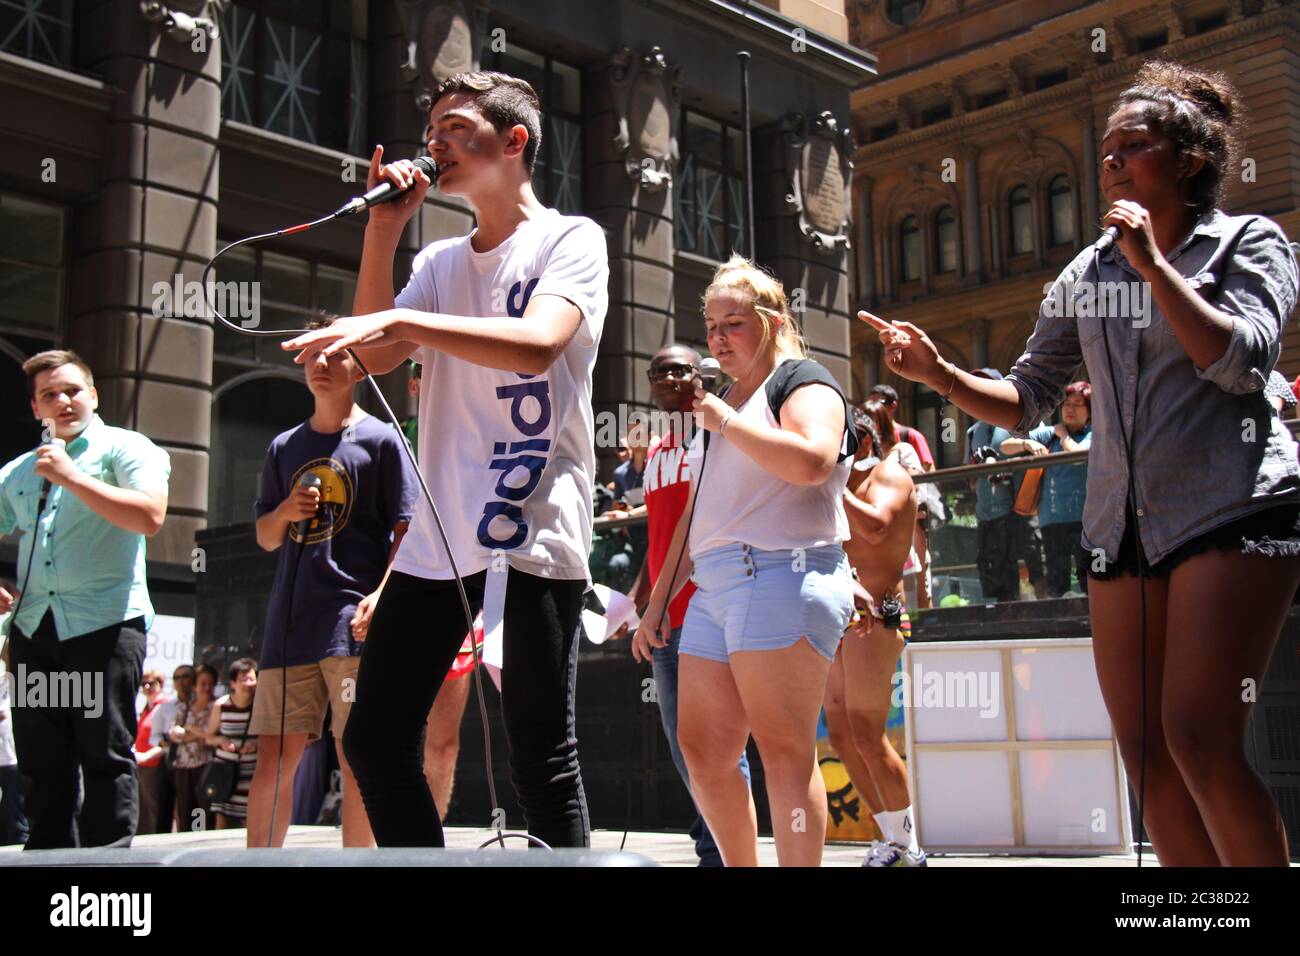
(740,502)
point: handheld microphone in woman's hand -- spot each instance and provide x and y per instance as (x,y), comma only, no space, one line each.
(709,372)
(1107,240)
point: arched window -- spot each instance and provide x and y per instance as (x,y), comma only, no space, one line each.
(909,235)
(945,240)
(245,417)
(1021,221)
(928,418)
(1061,202)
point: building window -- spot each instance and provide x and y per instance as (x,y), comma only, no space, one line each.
(909,236)
(1056,77)
(945,240)
(37,29)
(290,67)
(902,12)
(1206,24)
(936,114)
(31,267)
(1061,199)
(709,187)
(245,417)
(557,170)
(985,100)
(883,131)
(1150,42)
(289,292)
(1021,220)
(32,262)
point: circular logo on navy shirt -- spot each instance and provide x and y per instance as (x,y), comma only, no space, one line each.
(336,497)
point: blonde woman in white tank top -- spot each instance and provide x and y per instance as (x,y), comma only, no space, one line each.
(762,542)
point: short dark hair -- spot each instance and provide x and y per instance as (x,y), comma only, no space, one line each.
(505,100)
(52,359)
(888,391)
(241,667)
(206,669)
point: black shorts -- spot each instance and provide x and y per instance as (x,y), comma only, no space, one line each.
(1273,531)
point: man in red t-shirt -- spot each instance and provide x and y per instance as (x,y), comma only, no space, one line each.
(673,373)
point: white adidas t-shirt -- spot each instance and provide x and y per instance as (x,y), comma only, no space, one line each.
(509,458)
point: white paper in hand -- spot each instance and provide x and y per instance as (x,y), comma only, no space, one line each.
(619,610)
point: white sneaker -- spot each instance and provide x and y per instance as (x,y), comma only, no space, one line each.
(892,854)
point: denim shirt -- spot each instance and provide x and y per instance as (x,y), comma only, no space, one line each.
(1206,445)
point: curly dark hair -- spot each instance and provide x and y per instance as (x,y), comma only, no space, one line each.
(868,433)
(1200,111)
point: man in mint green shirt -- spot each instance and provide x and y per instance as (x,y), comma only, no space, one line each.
(84,501)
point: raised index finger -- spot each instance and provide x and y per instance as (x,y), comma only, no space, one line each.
(875,321)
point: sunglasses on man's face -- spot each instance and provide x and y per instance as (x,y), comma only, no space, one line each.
(151,683)
(664,372)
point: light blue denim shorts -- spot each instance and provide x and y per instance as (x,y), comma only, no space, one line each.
(752,600)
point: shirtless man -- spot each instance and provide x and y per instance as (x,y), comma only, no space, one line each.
(881,507)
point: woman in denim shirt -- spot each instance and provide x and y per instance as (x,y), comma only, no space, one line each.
(1192,479)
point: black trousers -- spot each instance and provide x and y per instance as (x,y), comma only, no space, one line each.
(417,629)
(1061,547)
(13,819)
(93,734)
(996,560)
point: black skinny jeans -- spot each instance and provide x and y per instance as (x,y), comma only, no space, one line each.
(417,629)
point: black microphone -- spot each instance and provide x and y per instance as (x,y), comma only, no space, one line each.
(709,372)
(309,480)
(45,482)
(386,191)
(1107,240)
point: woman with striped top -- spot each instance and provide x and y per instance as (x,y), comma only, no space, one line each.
(228,733)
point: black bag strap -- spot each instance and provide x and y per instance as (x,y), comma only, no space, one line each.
(793,374)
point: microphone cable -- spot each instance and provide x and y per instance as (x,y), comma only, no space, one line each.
(696,480)
(46,487)
(1141,556)
(299,547)
(501,835)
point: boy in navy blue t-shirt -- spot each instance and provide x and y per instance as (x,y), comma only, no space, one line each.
(340,537)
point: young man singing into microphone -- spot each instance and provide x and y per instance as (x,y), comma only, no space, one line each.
(84,505)
(505,322)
